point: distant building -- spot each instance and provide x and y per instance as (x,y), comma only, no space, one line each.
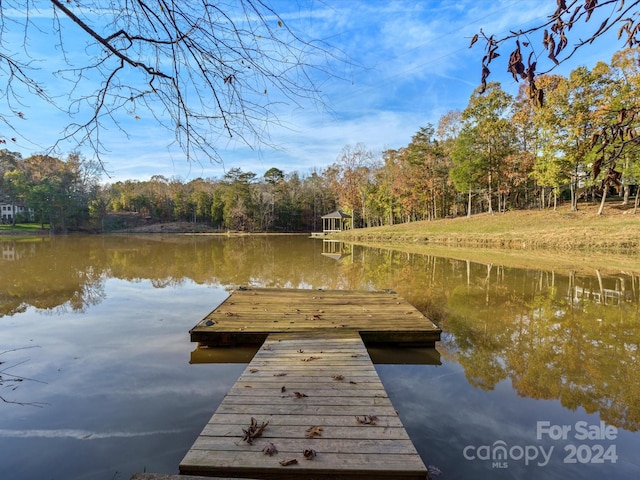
(10,210)
(336,222)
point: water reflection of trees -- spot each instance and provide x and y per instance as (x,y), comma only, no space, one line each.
(68,273)
(554,335)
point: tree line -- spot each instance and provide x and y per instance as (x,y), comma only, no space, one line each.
(579,142)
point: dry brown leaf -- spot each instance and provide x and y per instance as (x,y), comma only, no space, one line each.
(314,431)
(254,431)
(367,419)
(270,449)
(286,463)
(309,453)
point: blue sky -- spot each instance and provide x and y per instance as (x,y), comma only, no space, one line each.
(410,64)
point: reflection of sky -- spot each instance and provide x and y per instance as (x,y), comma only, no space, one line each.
(443,414)
(120,395)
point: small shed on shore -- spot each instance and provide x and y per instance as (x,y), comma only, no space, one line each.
(336,222)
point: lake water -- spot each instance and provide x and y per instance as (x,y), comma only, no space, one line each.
(536,375)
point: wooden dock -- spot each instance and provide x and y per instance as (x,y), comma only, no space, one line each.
(321,397)
(312,385)
(249,315)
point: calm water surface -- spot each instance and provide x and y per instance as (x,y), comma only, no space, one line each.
(537,375)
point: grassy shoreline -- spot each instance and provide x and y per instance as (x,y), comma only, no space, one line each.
(617,231)
(554,240)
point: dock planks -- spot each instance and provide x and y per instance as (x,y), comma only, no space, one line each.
(249,315)
(336,384)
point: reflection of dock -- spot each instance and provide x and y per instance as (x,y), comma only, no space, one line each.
(314,382)
(380,355)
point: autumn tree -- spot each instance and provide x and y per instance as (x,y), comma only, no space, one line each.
(488,139)
(58,191)
(568,120)
(616,143)
(449,126)
(237,200)
(467,172)
(203,70)
(352,177)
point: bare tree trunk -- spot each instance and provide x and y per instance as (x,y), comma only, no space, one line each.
(469,205)
(490,195)
(604,198)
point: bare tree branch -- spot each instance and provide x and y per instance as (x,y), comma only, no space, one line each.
(202,69)
(11,381)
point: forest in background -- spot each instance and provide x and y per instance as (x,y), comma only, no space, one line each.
(578,142)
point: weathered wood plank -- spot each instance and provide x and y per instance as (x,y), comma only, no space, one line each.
(336,401)
(303,420)
(292,445)
(331,465)
(326,392)
(299,407)
(373,432)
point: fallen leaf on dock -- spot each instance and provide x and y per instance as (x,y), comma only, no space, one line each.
(338,377)
(254,430)
(367,419)
(270,449)
(279,374)
(300,350)
(253,370)
(309,453)
(300,395)
(286,463)
(309,359)
(283,389)
(314,431)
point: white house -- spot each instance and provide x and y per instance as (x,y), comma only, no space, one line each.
(10,210)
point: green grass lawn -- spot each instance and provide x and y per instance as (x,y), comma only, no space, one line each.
(618,230)
(22,228)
